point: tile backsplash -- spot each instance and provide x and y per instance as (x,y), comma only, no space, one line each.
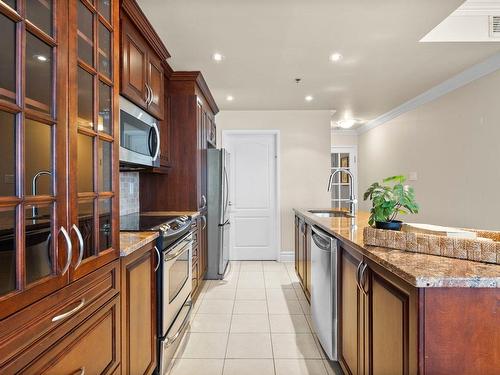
(129,192)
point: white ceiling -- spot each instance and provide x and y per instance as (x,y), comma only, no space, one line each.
(268,43)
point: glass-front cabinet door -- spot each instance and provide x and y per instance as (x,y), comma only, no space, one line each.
(35,245)
(93,133)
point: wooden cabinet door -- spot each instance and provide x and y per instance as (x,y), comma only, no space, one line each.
(139,311)
(156,85)
(166,134)
(350,312)
(301,263)
(391,322)
(134,64)
(34,130)
(93,135)
(92,348)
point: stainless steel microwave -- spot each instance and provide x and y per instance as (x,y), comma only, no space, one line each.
(139,136)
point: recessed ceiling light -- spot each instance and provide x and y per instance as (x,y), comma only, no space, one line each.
(346,123)
(229,98)
(41,58)
(335,57)
(218,57)
(309,98)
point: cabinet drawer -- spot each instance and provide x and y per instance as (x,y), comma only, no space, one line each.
(31,331)
(93,347)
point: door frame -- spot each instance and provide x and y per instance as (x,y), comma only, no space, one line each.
(353,150)
(277,180)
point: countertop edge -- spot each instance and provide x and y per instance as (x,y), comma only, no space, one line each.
(419,282)
(134,241)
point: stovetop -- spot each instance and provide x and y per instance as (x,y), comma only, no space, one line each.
(139,222)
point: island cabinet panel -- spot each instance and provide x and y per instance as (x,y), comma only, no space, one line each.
(351,306)
(391,310)
(461,333)
(139,309)
(303,254)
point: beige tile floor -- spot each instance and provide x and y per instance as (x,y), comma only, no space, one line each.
(257,321)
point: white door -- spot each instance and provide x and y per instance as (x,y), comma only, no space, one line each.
(253,196)
(343,157)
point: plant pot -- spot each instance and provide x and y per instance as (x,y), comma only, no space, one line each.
(389,225)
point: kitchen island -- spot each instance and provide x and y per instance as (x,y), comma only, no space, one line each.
(406,313)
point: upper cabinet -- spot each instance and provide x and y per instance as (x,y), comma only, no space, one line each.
(35,247)
(142,61)
(94,134)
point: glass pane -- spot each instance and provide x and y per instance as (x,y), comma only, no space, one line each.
(39,12)
(85,163)
(7,59)
(86,226)
(85,99)
(105,166)
(8,149)
(104,50)
(7,250)
(38,158)
(104,118)
(38,74)
(38,242)
(104,8)
(105,232)
(85,34)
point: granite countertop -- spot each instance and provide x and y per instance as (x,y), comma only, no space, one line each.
(132,241)
(191,214)
(419,270)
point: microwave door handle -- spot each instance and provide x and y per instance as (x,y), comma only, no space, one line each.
(149,141)
(157,132)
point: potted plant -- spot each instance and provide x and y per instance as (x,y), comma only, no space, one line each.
(389,201)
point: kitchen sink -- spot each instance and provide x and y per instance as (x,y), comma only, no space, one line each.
(330,213)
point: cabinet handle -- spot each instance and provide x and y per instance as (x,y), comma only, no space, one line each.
(357,274)
(81,245)
(148,94)
(81,371)
(70,312)
(159,258)
(204,222)
(362,279)
(203,202)
(69,250)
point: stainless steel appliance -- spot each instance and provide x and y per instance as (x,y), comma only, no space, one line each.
(174,246)
(218,213)
(139,137)
(324,290)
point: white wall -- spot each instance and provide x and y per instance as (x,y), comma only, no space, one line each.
(339,139)
(453,143)
(304,156)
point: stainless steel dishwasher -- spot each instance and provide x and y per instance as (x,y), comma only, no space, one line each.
(324,291)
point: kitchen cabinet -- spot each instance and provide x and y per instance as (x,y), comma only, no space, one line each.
(142,57)
(200,253)
(94,135)
(370,343)
(71,327)
(190,102)
(49,128)
(303,254)
(139,310)
(165,133)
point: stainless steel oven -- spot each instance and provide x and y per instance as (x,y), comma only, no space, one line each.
(139,136)
(176,290)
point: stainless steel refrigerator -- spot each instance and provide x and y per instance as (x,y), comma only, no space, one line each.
(218,213)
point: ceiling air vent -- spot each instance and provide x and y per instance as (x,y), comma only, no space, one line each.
(495,26)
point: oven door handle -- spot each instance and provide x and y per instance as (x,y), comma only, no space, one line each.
(171,340)
(170,257)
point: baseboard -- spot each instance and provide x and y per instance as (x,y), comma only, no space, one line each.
(287,256)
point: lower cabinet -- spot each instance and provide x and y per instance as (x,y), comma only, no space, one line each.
(139,310)
(92,348)
(378,318)
(72,331)
(200,253)
(303,254)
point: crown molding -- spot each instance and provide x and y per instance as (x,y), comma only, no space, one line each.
(469,75)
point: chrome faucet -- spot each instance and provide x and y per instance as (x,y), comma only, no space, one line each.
(352,197)
(34,182)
